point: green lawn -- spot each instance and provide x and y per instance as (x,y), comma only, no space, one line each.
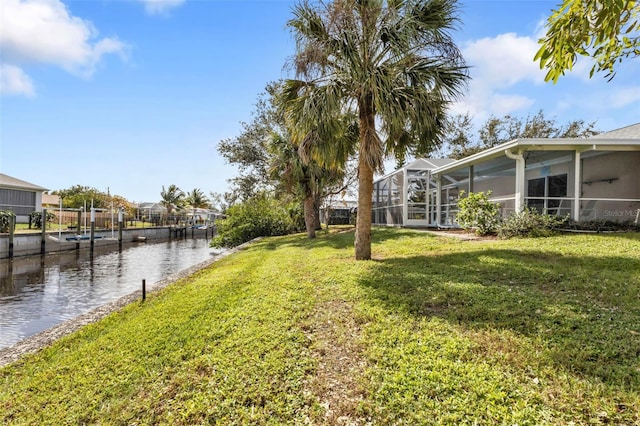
(291,331)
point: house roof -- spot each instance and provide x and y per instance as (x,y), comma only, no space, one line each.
(420,164)
(628,132)
(341,204)
(7,181)
(625,139)
(50,199)
(151,206)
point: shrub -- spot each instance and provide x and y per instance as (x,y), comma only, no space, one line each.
(35,219)
(5,220)
(296,213)
(262,216)
(530,223)
(475,211)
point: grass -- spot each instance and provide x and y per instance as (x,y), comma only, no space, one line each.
(291,331)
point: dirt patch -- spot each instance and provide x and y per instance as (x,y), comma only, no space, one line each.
(335,335)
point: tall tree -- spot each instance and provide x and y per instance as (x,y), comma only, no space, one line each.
(172,198)
(606,31)
(393,63)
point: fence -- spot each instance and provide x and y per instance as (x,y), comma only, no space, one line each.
(103,219)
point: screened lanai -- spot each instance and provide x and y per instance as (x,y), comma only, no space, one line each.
(407,196)
(585,179)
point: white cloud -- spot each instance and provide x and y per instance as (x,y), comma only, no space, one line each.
(498,64)
(625,96)
(504,60)
(43,31)
(160,7)
(14,81)
(503,104)
(604,98)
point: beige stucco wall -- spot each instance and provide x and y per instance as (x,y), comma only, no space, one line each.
(623,168)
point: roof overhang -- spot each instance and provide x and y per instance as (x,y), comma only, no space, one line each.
(519,146)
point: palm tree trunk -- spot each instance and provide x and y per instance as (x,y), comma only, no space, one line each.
(366,152)
(310,216)
(363,220)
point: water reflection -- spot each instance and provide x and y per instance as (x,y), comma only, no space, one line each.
(38,292)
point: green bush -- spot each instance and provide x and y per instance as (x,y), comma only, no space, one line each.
(530,223)
(475,211)
(36,219)
(5,220)
(296,213)
(262,216)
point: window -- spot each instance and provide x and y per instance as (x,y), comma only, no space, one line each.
(544,193)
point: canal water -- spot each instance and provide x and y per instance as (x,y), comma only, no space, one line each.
(39,292)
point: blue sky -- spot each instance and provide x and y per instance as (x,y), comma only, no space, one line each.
(131,95)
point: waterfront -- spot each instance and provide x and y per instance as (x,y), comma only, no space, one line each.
(38,292)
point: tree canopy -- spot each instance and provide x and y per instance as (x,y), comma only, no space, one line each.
(197,199)
(460,142)
(605,31)
(172,198)
(77,196)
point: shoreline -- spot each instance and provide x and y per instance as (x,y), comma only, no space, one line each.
(41,340)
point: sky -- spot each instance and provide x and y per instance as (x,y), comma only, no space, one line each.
(128,96)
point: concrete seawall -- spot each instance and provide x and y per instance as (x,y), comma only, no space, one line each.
(30,244)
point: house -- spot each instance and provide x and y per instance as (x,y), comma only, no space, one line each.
(23,198)
(337,212)
(50,201)
(586,179)
(151,211)
(202,216)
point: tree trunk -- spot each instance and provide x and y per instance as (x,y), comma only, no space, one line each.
(310,216)
(316,209)
(363,220)
(367,151)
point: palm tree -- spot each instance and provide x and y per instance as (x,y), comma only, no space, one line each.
(197,199)
(301,177)
(392,63)
(294,167)
(172,198)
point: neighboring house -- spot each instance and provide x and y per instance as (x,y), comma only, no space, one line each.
(586,179)
(151,210)
(200,215)
(50,201)
(337,212)
(19,196)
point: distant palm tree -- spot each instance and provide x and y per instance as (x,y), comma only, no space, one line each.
(392,63)
(172,198)
(197,199)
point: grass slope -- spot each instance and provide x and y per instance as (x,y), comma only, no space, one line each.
(291,331)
